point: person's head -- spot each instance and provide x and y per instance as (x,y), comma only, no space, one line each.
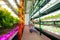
(31,19)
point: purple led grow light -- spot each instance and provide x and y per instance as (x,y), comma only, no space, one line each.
(9,34)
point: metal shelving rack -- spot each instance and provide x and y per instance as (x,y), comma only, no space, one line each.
(49,10)
(41,10)
(39,5)
(12,33)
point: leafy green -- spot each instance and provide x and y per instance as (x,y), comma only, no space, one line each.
(6,20)
(51,16)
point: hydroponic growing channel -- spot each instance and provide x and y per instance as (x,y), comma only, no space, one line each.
(8,20)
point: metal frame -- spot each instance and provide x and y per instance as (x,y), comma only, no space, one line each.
(49,10)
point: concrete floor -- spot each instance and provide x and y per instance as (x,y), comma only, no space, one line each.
(30,36)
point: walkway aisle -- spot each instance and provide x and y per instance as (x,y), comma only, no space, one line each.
(30,36)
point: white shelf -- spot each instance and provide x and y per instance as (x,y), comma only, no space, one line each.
(52,14)
(37,19)
(36,3)
(35,14)
(46,7)
(52,29)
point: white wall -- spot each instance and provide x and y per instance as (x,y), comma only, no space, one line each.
(28,6)
(26,19)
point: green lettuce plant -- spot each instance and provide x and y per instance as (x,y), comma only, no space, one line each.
(6,20)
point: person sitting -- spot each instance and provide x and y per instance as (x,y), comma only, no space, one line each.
(31,26)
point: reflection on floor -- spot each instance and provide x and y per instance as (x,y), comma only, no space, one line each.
(32,36)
